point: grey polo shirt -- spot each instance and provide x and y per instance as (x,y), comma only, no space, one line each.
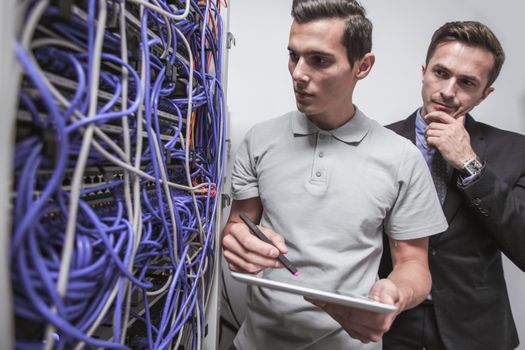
(330,194)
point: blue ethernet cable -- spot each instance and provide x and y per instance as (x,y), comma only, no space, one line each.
(204,171)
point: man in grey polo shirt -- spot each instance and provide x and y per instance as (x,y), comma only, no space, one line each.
(328,181)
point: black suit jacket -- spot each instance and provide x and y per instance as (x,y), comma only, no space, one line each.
(485,218)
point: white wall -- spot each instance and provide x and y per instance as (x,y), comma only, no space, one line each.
(259,86)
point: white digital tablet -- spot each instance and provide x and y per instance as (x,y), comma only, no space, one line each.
(356,301)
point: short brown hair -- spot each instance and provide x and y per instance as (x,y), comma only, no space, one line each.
(470,33)
(358,32)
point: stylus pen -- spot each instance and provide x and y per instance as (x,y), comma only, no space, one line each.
(263,238)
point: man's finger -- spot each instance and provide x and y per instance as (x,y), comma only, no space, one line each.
(439,117)
(239,263)
(461,119)
(250,242)
(232,246)
(275,238)
(436,126)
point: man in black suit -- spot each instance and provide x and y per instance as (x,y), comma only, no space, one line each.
(479,173)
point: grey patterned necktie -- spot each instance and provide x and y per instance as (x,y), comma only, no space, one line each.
(439,175)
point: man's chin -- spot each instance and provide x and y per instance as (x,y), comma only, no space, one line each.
(305,108)
(301,108)
(445,109)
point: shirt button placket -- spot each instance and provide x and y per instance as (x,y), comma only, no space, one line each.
(319,160)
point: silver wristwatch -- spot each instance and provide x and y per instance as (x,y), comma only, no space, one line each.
(472,167)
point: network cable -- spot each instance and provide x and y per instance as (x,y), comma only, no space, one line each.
(118,160)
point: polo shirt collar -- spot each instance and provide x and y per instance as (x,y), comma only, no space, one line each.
(351,132)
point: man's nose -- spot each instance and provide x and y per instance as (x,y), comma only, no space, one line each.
(300,72)
(448,91)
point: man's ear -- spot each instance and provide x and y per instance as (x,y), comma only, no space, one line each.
(486,92)
(423,70)
(365,65)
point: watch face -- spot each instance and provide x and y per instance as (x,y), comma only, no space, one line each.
(473,167)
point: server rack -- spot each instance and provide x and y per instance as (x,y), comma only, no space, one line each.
(94,188)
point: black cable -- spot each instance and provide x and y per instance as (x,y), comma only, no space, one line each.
(226,298)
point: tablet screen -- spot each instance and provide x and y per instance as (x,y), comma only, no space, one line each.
(356,301)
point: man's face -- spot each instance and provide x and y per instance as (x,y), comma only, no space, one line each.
(323,79)
(455,80)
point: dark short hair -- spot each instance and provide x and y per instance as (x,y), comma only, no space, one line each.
(358,32)
(470,33)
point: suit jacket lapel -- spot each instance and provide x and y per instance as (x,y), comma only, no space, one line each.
(477,138)
(454,198)
(408,128)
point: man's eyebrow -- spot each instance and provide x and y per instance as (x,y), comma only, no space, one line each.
(471,78)
(313,53)
(462,76)
(440,66)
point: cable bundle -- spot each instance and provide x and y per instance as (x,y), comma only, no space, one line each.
(119,157)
